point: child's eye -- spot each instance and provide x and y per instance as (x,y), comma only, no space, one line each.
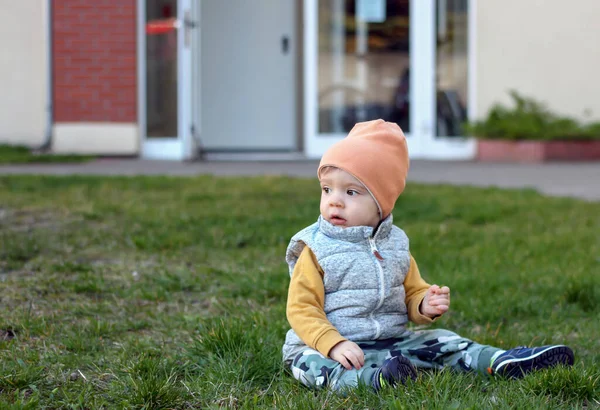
(352,192)
(326,189)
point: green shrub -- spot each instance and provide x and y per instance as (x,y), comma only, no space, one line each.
(530,120)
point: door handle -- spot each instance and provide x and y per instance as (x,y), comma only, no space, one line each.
(188,25)
(285,44)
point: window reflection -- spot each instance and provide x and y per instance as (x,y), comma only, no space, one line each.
(362,65)
(161,69)
(451,66)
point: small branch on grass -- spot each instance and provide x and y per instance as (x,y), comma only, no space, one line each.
(82,375)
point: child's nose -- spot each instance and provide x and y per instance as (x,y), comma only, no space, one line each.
(336,200)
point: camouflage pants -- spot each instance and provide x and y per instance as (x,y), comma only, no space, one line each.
(429,349)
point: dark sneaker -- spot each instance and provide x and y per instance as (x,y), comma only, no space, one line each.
(396,370)
(516,363)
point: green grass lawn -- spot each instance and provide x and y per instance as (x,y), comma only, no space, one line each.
(16,154)
(170,292)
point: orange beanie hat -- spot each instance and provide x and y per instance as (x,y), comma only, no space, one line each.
(375,153)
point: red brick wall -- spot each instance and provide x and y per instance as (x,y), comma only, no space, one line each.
(94,60)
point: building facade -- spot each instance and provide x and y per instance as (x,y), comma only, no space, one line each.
(170,78)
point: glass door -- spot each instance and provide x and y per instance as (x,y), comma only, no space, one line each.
(449,61)
(165,99)
(368,59)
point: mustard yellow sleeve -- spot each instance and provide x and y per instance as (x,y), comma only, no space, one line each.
(306,304)
(415,288)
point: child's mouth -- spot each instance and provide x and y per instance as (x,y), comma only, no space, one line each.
(336,220)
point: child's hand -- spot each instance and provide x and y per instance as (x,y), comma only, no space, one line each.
(436,301)
(348,354)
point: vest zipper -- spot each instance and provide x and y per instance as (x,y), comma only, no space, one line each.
(381,285)
(374,249)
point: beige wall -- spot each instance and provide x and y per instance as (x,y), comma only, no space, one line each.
(23,72)
(100,138)
(547,49)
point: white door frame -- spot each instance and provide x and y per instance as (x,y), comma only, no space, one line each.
(422,143)
(177,147)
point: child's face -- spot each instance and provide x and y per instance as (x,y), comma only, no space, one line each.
(345,201)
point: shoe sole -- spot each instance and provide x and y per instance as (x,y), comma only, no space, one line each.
(553,356)
(405,369)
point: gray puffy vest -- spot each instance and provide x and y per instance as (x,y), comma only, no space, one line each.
(364,276)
